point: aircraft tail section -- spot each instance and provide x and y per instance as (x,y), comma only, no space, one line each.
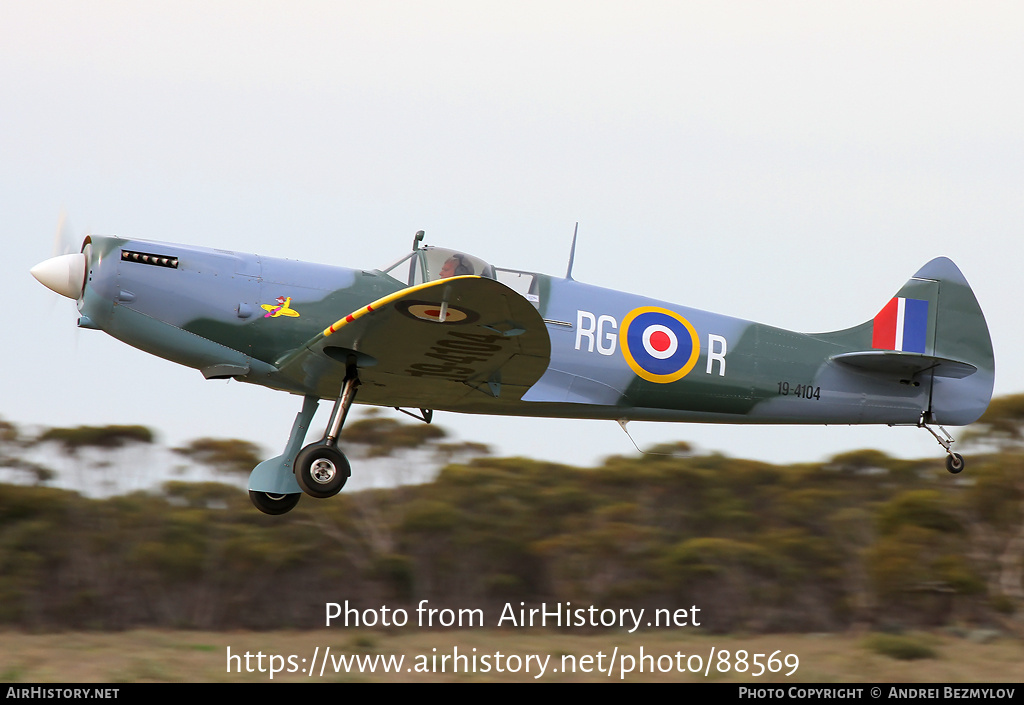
(931,333)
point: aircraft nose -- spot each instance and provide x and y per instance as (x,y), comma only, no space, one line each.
(64,274)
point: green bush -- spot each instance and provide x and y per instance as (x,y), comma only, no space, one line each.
(897,646)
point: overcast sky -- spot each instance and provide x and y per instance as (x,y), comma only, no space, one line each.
(792,163)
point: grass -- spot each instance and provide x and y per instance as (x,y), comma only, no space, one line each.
(172,656)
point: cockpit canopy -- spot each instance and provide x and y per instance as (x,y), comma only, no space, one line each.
(428,263)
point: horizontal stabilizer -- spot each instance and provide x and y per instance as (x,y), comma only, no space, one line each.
(905,364)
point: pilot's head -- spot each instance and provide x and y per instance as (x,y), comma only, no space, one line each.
(455,266)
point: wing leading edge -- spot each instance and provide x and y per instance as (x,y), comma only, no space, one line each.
(430,346)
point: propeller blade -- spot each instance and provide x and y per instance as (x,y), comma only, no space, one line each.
(64,240)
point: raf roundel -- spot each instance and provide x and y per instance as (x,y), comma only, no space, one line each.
(659,345)
(436,313)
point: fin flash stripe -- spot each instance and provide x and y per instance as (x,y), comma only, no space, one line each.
(901,325)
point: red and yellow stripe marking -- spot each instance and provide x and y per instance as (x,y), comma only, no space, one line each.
(384,301)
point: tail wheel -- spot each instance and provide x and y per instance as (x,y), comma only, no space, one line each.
(274,504)
(321,470)
(955,463)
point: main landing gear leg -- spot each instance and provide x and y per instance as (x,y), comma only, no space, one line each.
(954,461)
(272,486)
(321,470)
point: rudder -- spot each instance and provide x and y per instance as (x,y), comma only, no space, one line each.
(961,334)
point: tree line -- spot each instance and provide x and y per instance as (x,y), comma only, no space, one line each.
(862,539)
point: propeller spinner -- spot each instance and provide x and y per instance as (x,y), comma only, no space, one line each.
(64,274)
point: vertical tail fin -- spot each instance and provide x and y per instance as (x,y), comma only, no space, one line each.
(931,333)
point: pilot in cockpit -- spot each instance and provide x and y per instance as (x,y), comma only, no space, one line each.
(455,266)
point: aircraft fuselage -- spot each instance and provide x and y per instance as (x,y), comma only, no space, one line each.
(612,354)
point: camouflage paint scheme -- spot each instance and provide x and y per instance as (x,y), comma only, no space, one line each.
(551,347)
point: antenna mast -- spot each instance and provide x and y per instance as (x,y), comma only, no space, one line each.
(572,252)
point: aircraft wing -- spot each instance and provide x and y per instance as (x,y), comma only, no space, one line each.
(430,346)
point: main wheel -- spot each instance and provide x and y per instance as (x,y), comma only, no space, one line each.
(955,463)
(274,504)
(321,471)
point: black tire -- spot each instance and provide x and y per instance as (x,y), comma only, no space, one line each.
(274,504)
(955,463)
(321,471)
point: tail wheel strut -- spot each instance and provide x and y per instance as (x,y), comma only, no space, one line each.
(954,461)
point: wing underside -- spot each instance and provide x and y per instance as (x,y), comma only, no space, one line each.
(430,346)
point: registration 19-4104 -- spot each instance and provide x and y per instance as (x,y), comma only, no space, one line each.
(802,391)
